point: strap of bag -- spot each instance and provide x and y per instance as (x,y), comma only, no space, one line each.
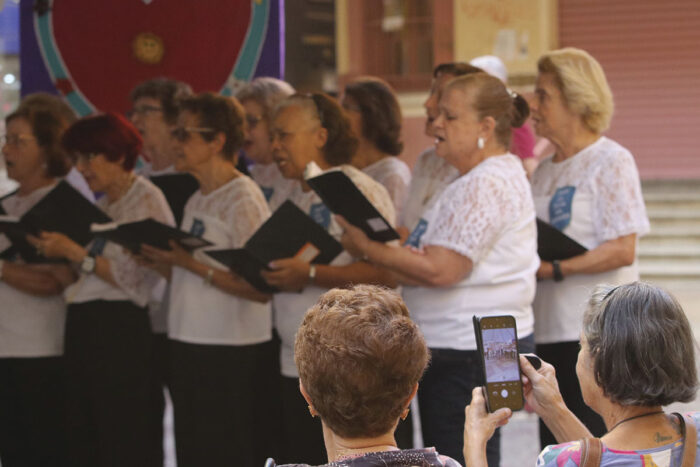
(591,452)
(690,439)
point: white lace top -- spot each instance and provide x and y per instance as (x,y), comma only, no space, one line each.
(143,200)
(488,216)
(593,197)
(394,175)
(204,314)
(30,326)
(290,307)
(431,175)
(274,186)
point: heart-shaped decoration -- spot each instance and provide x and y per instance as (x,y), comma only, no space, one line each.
(96,52)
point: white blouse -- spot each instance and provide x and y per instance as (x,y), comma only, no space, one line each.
(204,314)
(30,325)
(143,200)
(488,216)
(431,175)
(394,175)
(274,186)
(290,307)
(592,197)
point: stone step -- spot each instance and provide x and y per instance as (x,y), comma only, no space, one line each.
(669,270)
(672,264)
(672,204)
(673,229)
(673,212)
(669,250)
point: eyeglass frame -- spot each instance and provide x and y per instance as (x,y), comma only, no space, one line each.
(15,140)
(186,130)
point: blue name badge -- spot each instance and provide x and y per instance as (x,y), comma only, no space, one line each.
(417,233)
(320,214)
(560,207)
(267,192)
(197,228)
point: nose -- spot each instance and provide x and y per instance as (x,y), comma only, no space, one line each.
(274,141)
(439,122)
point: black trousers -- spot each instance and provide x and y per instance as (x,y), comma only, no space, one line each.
(159,382)
(108,360)
(302,434)
(32,419)
(563,356)
(219,403)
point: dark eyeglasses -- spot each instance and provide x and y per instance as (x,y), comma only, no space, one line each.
(252,120)
(182,134)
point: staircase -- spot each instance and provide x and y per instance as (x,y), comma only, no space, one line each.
(670,253)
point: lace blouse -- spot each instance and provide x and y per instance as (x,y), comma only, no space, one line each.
(394,175)
(274,186)
(143,200)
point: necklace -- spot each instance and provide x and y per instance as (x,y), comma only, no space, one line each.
(632,418)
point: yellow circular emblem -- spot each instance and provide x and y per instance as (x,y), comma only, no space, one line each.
(148,48)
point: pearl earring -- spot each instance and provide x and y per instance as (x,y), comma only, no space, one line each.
(480,143)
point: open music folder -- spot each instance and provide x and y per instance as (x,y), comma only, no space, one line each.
(131,235)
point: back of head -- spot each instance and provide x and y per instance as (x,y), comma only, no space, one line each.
(222,115)
(49,116)
(641,345)
(267,92)
(455,68)
(583,85)
(492,99)
(381,113)
(341,142)
(491,65)
(359,357)
(109,134)
(167,91)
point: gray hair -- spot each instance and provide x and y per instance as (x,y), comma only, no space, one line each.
(267,92)
(641,345)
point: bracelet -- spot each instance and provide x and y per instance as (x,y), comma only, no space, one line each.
(556,271)
(312,273)
(209,277)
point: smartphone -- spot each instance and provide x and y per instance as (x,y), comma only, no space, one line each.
(497,342)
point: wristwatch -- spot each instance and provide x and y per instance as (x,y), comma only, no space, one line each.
(556,269)
(88,264)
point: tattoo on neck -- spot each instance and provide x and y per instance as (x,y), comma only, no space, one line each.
(660,439)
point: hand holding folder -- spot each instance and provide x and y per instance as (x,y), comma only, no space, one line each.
(289,232)
(131,235)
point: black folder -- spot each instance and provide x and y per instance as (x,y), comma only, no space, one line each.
(131,235)
(553,244)
(287,233)
(342,197)
(177,188)
(63,210)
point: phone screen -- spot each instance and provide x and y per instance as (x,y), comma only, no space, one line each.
(500,357)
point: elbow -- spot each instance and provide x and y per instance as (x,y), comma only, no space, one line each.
(262,298)
(442,280)
(48,289)
(627,257)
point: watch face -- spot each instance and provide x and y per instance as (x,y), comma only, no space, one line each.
(88,265)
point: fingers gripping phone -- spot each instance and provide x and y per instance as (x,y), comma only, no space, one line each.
(497,342)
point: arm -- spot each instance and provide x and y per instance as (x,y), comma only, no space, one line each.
(479,427)
(435,267)
(607,256)
(222,280)
(542,395)
(38,280)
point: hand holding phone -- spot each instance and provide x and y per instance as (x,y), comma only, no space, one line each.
(497,342)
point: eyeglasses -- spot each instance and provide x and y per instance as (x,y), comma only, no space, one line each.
(182,134)
(85,157)
(252,120)
(15,140)
(144,109)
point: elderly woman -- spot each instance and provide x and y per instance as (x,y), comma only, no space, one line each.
(259,98)
(375,118)
(474,255)
(108,338)
(32,317)
(360,358)
(637,356)
(219,326)
(589,189)
(312,133)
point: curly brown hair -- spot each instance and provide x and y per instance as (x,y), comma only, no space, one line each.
(359,357)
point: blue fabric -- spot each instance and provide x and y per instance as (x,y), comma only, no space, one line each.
(417,233)
(560,207)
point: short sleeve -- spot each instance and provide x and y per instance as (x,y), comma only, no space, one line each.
(560,455)
(248,212)
(619,205)
(471,215)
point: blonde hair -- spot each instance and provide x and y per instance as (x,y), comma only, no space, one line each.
(583,85)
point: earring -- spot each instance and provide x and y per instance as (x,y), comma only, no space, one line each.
(480,143)
(404,415)
(312,412)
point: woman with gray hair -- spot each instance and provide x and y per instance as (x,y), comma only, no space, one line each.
(259,98)
(589,189)
(637,355)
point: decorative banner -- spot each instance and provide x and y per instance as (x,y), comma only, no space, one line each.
(95,52)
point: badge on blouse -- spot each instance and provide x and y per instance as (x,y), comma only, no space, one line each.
(320,214)
(417,233)
(560,207)
(267,192)
(197,228)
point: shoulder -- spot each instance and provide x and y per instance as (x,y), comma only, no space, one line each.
(367,185)
(146,189)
